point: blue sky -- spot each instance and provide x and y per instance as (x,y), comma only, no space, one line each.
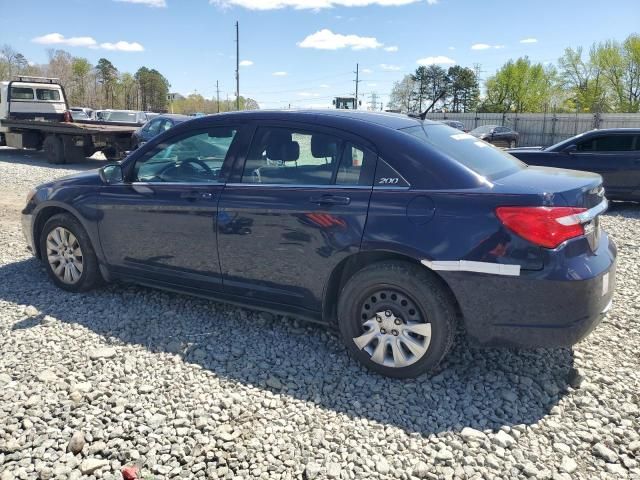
(304,52)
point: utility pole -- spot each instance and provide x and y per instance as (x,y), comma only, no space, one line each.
(357,72)
(218,95)
(237,66)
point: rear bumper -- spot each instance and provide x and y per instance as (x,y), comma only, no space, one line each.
(557,306)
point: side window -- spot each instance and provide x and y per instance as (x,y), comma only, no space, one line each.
(21,93)
(607,143)
(195,158)
(357,166)
(153,127)
(165,125)
(47,94)
(287,156)
(387,176)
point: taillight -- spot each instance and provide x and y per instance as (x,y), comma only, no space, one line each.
(544,226)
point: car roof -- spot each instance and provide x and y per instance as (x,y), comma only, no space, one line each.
(614,130)
(390,120)
(174,116)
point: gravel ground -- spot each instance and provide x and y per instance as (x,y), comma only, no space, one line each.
(186,388)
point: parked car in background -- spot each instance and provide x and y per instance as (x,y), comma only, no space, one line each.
(81,113)
(154,127)
(613,153)
(454,124)
(387,229)
(496,135)
(124,116)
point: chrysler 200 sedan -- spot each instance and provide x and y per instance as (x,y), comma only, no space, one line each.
(389,229)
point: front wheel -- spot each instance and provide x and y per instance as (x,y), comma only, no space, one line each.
(68,254)
(396,319)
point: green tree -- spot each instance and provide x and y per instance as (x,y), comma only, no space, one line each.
(464,90)
(80,70)
(107,76)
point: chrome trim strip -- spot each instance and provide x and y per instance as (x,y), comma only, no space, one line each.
(584,217)
(470,266)
(296,185)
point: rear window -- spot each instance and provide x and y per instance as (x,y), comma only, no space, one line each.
(47,94)
(21,93)
(131,117)
(482,158)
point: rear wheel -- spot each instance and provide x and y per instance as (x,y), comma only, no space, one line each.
(512,144)
(396,319)
(68,254)
(53,149)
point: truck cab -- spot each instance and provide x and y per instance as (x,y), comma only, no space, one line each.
(32,98)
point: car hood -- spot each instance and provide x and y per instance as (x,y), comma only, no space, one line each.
(88,178)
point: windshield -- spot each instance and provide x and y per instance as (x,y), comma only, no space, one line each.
(482,129)
(131,117)
(484,159)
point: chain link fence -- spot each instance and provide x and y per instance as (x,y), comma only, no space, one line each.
(543,129)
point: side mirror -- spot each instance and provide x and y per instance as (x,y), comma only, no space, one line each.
(570,149)
(111,174)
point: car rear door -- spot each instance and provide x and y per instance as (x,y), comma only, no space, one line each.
(160,225)
(296,208)
(615,156)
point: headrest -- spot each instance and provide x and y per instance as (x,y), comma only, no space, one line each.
(286,151)
(323,146)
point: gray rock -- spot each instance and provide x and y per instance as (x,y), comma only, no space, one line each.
(444,455)
(472,435)
(421,470)
(274,382)
(312,470)
(105,352)
(76,444)
(90,465)
(568,465)
(382,466)
(333,470)
(503,439)
(47,376)
(602,451)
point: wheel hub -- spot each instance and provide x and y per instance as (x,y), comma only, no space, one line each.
(394,332)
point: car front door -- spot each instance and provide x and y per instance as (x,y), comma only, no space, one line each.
(615,156)
(159,225)
(296,208)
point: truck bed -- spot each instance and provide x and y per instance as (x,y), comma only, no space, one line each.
(69,128)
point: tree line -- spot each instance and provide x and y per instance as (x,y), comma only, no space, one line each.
(606,78)
(103,86)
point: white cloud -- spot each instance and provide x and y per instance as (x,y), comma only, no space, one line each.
(325,39)
(310,4)
(123,46)
(389,68)
(484,46)
(437,60)
(246,63)
(432,2)
(393,48)
(148,3)
(279,74)
(59,39)
(324,85)
(366,71)
(529,40)
(452,48)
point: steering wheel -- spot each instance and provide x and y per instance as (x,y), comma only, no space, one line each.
(178,170)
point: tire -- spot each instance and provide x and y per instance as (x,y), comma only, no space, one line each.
(414,289)
(512,144)
(90,275)
(72,152)
(53,149)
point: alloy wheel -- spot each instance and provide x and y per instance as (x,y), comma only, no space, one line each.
(64,255)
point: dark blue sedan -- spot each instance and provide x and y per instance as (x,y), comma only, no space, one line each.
(386,228)
(156,126)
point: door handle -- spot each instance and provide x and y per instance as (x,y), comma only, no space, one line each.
(197,195)
(330,200)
